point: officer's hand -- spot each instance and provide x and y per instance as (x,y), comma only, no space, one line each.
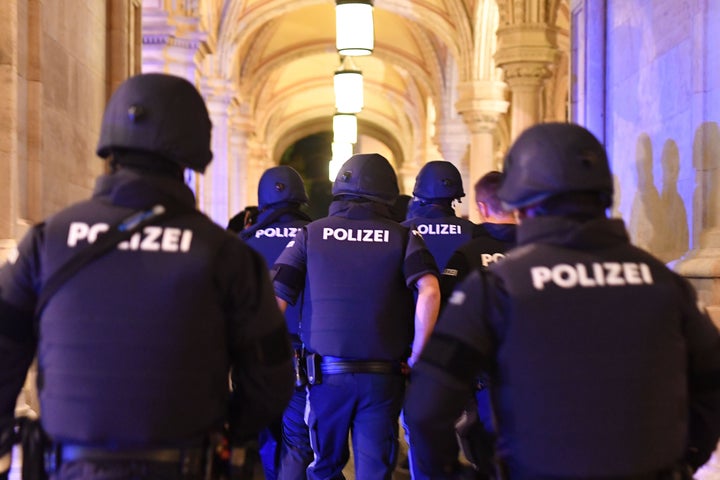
(405,368)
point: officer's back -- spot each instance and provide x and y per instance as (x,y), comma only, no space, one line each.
(601,364)
(431,212)
(135,346)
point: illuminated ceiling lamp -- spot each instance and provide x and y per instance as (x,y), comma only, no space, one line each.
(340,154)
(348,83)
(344,128)
(354,28)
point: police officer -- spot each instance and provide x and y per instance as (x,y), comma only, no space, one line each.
(281,194)
(355,272)
(494,235)
(431,212)
(601,364)
(135,345)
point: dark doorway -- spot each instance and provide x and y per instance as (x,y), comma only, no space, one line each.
(310,156)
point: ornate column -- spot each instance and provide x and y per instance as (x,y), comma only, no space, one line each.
(8,136)
(526,54)
(170,40)
(481,103)
(259,160)
(240,129)
(214,195)
(453,140)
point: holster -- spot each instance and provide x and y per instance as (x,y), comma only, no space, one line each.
(301,378)
(35,446)
(313,362)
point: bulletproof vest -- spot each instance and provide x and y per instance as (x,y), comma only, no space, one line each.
(489,245)
(269,240)
(442,234)
(576,355)
(127,347)
(357,302)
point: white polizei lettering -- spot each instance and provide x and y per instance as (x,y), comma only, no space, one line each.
(77,231)
(631,272)
(439,229)
(540,276)
(583,278)
(149,242)
(186,240)
(356,235)
(610,274)
(151,239)
(273,232)
(95,230)
(82,231)
(564,275)
(132,244)
(598,274)
(613,271)
(646,274)
(488,258)
(170,239)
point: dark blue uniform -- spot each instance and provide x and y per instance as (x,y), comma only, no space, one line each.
(441,229)
(274,228)
(489,245)
(601,364)
(134,350)
(355,271)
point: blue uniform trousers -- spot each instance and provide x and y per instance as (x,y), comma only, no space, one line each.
(295,450)
(366,405)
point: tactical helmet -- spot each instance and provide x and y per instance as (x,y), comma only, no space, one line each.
(158,113)
(280,184)
(438,180)
(367,175)
(554,158)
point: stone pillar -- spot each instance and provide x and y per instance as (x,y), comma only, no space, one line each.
(8,134)
(214,197)
(258,161)
(525,53)
(453,140)
(240,129)
(170,46)
(480,104)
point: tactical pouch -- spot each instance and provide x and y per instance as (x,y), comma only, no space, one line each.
(314,372)
(301,378)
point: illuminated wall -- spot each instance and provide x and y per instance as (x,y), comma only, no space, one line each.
(648,82)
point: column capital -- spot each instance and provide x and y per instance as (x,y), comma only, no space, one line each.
(480,103)
(526,52)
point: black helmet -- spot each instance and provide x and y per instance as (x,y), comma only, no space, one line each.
(554,158)
(158,113)
(280,184)
(438,180)
(367,175)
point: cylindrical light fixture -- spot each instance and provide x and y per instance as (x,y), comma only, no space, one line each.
(344,128)
(340,153)
(354,27)
(348,83)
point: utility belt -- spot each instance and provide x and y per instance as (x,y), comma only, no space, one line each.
(209,458)
(318,365)
(189,461)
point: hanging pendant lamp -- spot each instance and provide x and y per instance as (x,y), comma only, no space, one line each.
(354,28)
(340,153)
(344,128)
(348,84)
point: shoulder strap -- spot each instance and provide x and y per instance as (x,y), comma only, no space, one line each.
(119,232)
